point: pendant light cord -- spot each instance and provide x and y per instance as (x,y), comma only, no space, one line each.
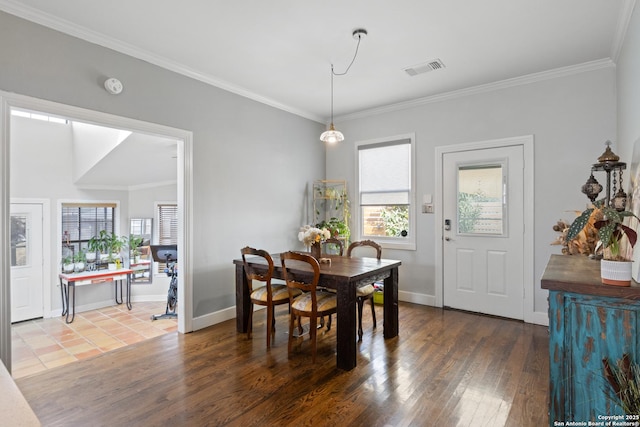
(333,73)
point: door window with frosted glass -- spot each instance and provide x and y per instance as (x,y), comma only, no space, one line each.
(482,200)
(19,244)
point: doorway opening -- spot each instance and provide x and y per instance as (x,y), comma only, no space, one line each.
(183,158)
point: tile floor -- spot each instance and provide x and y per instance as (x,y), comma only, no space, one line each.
(42,344)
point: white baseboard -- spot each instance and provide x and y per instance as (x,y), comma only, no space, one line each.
(211,319)
(413,297)
(540,318)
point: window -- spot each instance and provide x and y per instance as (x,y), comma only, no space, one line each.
(167,227)
(481,192)
(385,191)
(82,221)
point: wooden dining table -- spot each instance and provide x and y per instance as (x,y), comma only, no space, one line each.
(344,275)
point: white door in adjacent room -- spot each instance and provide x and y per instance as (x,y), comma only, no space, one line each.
(27,281)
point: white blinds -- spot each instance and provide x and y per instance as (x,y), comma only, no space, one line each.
(168,224)
(385,173)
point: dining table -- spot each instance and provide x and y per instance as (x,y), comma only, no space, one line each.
(344,274)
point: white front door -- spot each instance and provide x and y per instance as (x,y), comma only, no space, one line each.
(483,237)
(27,281)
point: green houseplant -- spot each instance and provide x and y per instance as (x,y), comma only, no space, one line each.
(134,243)
(616,240)
(67,264)
(79,260)
(624,379)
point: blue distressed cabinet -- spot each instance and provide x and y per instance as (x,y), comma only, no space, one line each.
(588,321)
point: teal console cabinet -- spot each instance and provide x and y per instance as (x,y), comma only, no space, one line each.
(588,321)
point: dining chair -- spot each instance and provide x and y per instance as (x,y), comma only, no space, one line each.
(365,292)
(268,295)
(337,245)
(311,304)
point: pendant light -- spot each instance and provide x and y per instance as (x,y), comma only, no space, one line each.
(332,136)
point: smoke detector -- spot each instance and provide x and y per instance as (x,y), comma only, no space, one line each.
(425,67)
(113,86)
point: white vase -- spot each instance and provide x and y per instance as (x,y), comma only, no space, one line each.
(616,273)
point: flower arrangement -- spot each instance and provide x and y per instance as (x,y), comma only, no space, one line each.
(309,235)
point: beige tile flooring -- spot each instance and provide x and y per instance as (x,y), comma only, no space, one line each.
(41,344)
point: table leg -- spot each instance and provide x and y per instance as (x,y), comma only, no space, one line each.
(346,328)
(71,309)
(115,286)
(129,291)
(391,305)
(65,297)
(243,303)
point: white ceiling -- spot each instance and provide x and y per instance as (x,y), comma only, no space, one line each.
(279,51)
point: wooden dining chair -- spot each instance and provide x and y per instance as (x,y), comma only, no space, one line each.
(311,304)
(336,244)
(268,295)
(365,292)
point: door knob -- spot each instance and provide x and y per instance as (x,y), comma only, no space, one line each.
(447,239)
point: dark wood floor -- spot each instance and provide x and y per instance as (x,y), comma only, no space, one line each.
(447,368)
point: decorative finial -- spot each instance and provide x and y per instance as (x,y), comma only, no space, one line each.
(608,155)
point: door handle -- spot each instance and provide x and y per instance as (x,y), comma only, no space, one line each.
(448,239)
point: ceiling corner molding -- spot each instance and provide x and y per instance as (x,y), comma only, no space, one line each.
(626,11)
(151,185)
(484,88)
(30,14)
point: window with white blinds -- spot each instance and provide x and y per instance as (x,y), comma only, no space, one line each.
(82,221)
(167,227)
(385,191)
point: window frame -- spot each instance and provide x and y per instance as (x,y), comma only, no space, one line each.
(402,243)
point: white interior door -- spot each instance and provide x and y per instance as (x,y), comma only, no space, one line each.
(483,230)
(27,281)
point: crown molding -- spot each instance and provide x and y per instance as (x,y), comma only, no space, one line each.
(626,11)
(30,14)
(489,87)
(15,8)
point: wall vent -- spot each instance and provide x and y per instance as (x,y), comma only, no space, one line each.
(414,70)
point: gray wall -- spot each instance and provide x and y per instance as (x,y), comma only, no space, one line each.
(569,117)
(628,72)
(252,163)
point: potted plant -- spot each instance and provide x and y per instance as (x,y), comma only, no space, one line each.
(624,379)
(100,244)
(616,240)
(67,264)
(337,227)
(114,245)
(79,259)
(134,243)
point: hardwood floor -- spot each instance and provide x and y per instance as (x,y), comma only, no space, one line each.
(446,368)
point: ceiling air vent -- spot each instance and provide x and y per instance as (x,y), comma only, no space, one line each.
(436,64)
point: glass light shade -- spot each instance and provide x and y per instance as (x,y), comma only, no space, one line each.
(332,135)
